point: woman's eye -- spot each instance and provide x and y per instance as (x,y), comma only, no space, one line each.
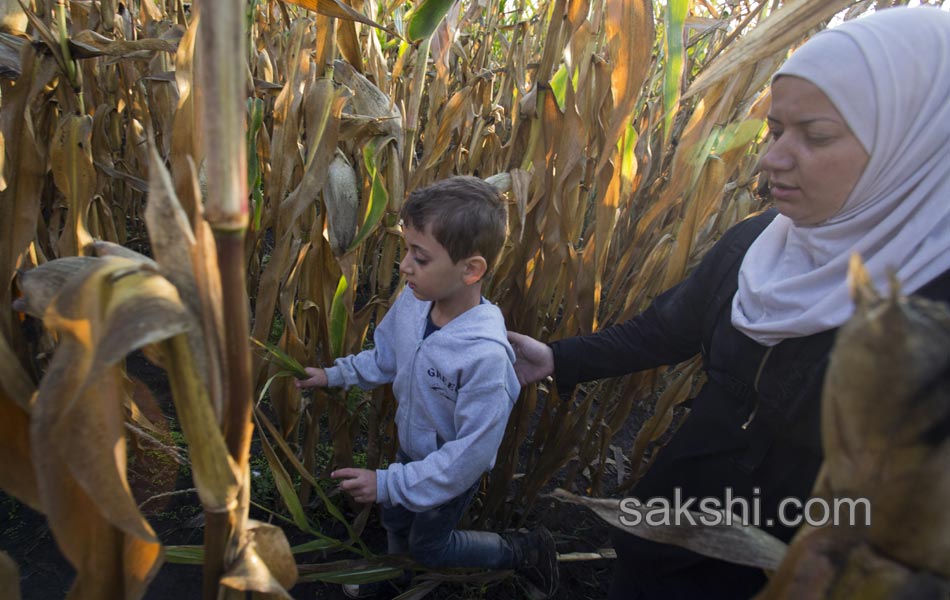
(819,140)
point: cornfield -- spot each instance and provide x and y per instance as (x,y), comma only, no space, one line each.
(182,178)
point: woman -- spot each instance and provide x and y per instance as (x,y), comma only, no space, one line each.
(860,126)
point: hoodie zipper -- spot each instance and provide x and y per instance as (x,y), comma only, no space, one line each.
(755,387)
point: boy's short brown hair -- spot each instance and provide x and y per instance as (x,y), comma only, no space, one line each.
(468,216)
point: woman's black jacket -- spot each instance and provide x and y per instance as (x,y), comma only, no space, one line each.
(754,425)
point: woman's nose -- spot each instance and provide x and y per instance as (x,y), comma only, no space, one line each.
(777,157)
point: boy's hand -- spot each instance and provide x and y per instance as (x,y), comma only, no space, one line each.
(318,378)
(360,484)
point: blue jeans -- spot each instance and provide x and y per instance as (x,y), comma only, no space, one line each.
(430,537)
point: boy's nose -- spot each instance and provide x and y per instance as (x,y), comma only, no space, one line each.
(404,265)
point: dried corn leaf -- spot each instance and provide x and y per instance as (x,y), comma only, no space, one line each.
(14,380)
(323,104)
(42,285)
(77,426)
(23,170)
(896,352)
(103,248)
(9,578)
(734,542)
(656,425)
(630,33)
(186,132)
(174,247)
(71,156)
(264,564)
(784,27)
(285,157)
(17,477)
(336,9)
(834,563)
(89,44)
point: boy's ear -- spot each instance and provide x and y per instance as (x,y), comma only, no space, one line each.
(475,269)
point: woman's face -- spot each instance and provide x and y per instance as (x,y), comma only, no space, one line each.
(815,160)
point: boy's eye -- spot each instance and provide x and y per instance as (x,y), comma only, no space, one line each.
(421,261)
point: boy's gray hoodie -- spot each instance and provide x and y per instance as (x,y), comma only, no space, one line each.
(455,390)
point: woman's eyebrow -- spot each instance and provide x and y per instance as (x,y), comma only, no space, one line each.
(805,121)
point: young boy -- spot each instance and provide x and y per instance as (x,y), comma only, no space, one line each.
(444,349)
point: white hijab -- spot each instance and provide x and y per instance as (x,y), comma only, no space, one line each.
(888,74)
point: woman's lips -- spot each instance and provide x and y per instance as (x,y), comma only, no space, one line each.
(783,192)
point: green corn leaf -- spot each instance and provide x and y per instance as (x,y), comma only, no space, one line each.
(270,380)
(629,158)
(261,419)
(426,17)
(378,198)
(338,318)
(674,17)
(559,86)
(285,486)
(283,360)
(736,135)
(255,108)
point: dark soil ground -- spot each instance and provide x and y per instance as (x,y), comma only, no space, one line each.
(46,575)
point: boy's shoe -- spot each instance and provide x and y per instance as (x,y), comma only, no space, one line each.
(537,561)
(363,590)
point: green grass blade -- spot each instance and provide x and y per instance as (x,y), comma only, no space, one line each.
(185,555)
(352,571)
(354,577)
(316,546)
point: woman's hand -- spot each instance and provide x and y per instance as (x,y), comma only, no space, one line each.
(318,378)
(535,360)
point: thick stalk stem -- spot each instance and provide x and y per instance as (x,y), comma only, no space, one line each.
(237,426)
(217,530)
(221,98)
